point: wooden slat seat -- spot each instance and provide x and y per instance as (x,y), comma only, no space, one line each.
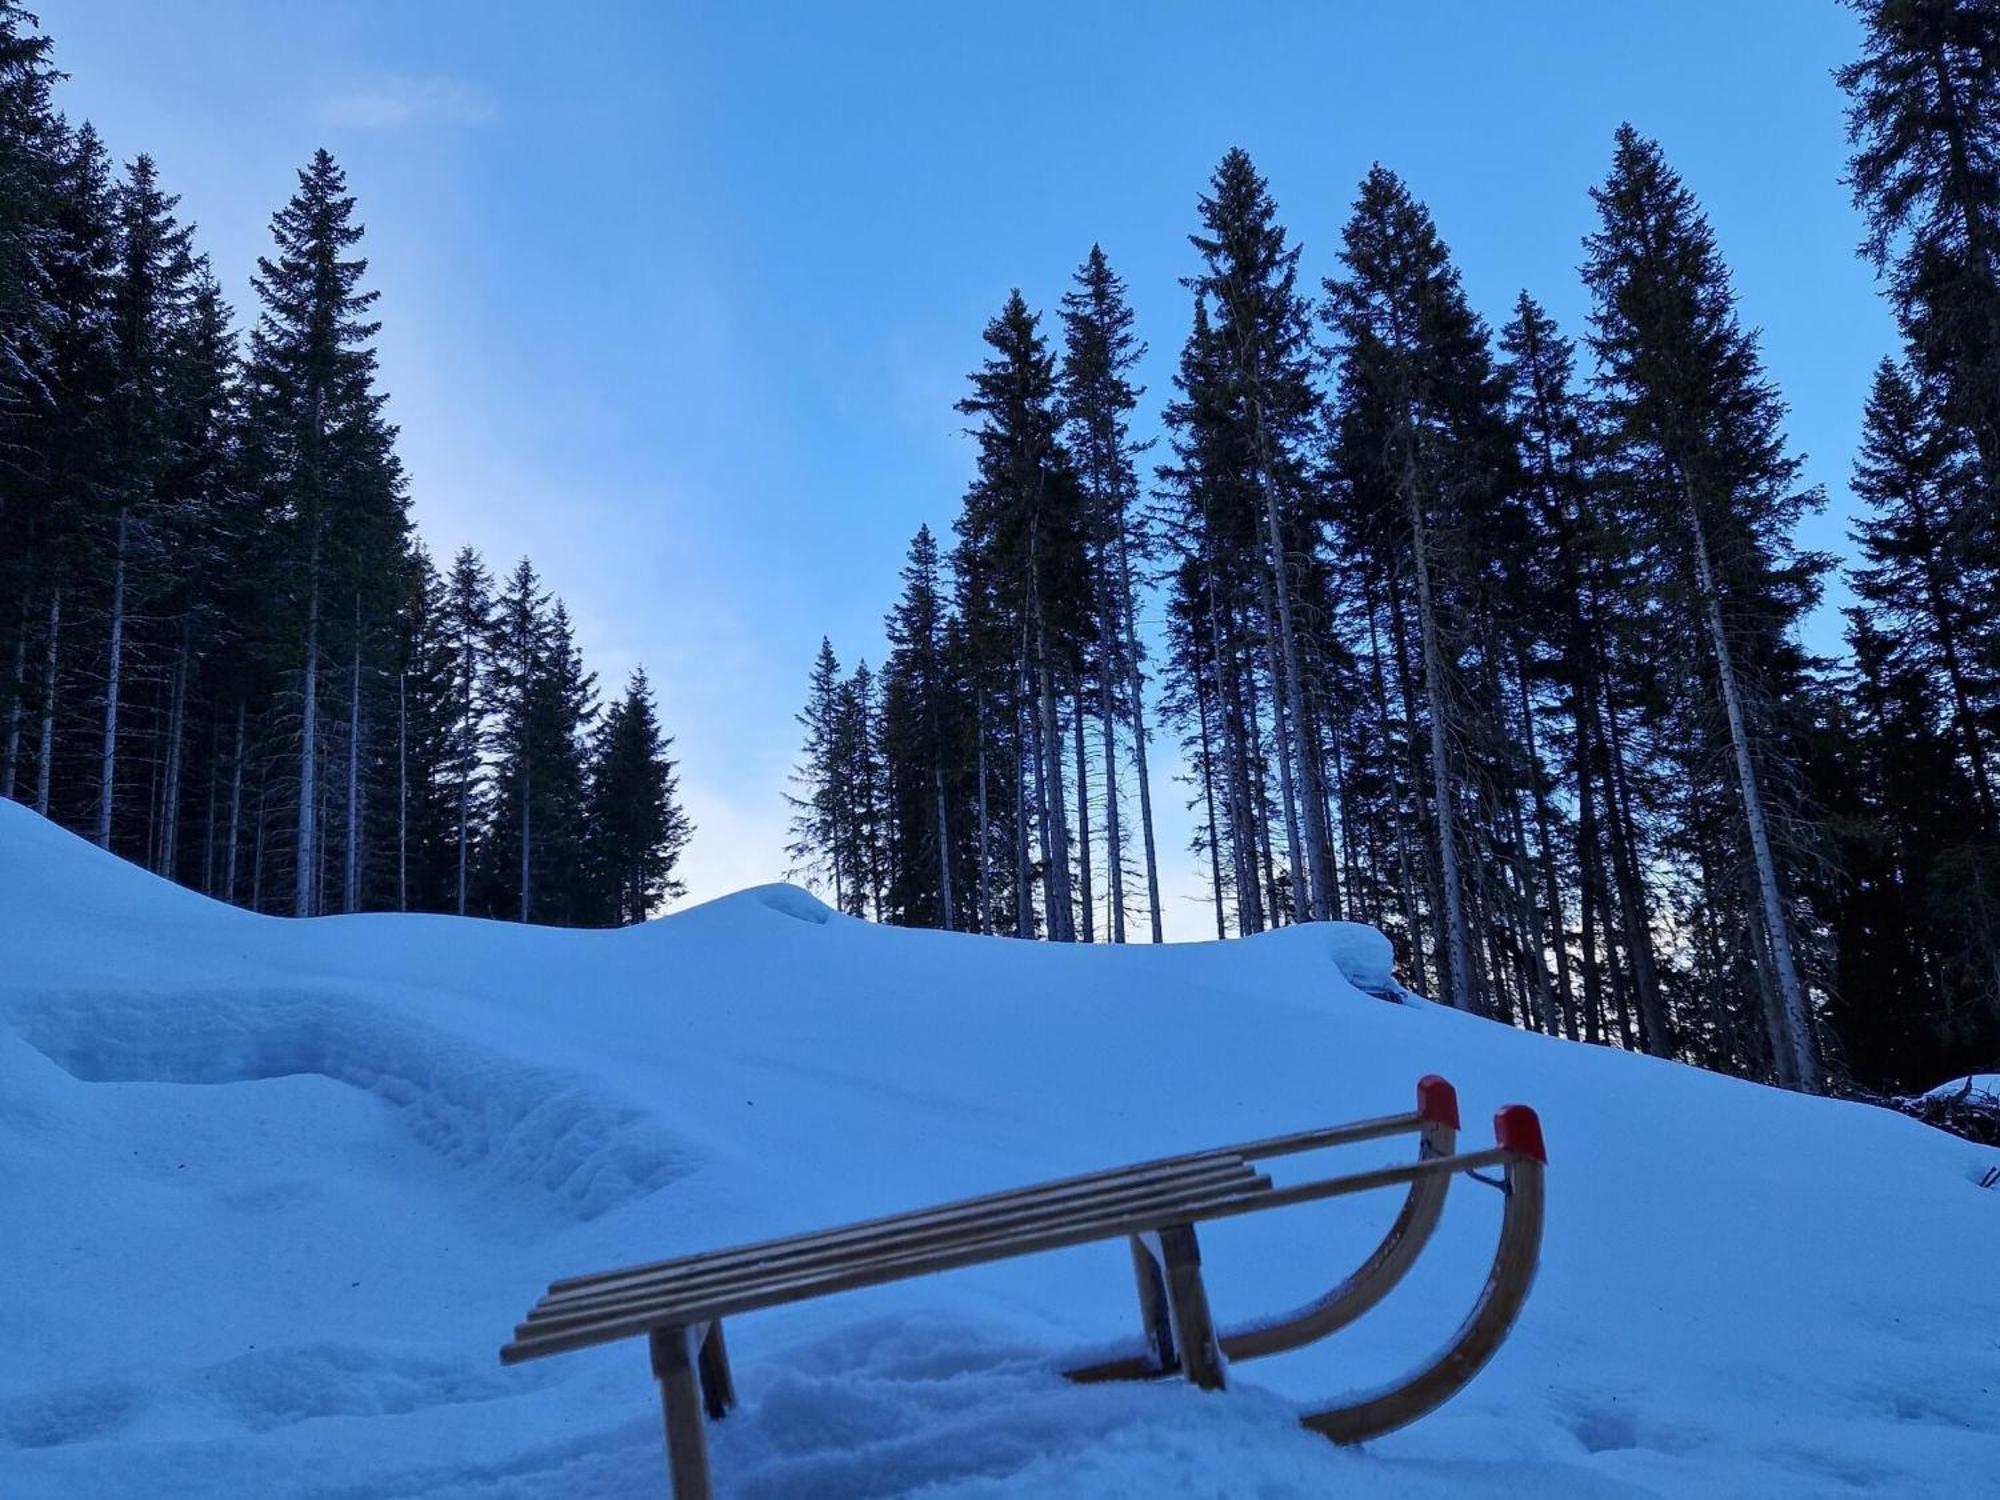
(896,1249)
(966,1214)
(679,1304)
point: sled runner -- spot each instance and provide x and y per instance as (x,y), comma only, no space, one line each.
(679,1304)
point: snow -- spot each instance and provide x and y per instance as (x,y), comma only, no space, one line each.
(273,1193)
(1978,1088)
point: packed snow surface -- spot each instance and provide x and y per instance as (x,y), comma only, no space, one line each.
(273,1193)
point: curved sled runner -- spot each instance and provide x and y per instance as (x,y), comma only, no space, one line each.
(679,1304)
(1520,1155)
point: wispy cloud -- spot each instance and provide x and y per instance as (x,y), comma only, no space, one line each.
(390,102)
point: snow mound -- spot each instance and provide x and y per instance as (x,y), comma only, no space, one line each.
(482,1112)
(272,1194)
(790,901)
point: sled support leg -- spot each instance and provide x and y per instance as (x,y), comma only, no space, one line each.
(718,1386)
(680,1402)
(1155,1310)
(1194,1329)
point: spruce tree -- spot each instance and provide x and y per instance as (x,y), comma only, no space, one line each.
(1924,121)
(1100,352)
(469,631)
(819,808)
(322,453)
(422,771)
(1022,564)
(637,827)
(1423,425)
(63,434)
(29,140)
(151,294)
(1696,434)
(921,741)
(1263,352)
(1932,596)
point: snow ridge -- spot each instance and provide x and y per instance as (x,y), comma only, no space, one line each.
(508,1122)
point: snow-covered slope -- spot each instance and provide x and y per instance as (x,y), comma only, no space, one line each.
(272,1194)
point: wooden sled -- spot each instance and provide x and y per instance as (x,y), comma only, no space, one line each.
(679,1304)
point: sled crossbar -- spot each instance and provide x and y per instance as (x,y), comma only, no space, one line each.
(679,1304)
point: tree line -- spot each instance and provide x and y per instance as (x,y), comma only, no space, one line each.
(224,652)
(1488,637)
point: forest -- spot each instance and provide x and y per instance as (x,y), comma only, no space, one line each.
(224,652)
(1482,630)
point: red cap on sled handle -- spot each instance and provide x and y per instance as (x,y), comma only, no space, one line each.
(1518,1128)
(1437,1102)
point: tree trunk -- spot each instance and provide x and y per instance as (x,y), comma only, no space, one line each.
(235,812)
(986,922)
(1086,895)
(1311,883)
(18,693)
(302,903)
(1135,687)
(1024,908)
(46,748)
(1280,905)
(1305,901)
(1791,992)
(527,817)
(1457,953)
(257,854)
(1208,797)
(1114,838)
(114,661)
(1545,856)
(208,822)
(945,905)
(1406,692)
(1250,914)
(402,792)
(170,810)
(1655,1034)
(1062,917)
(350,883)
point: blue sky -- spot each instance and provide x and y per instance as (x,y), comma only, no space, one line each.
(677,298)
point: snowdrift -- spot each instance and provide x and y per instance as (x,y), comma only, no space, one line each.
(272,1193)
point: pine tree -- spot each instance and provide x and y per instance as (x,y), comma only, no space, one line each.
(1262,353)
(1933,599)
(544,705)
(1100,351)
(1696,435)
(323,455)
(1566,650)
(921,741)
(1023,569)
(30,139)
(637,827)
(27,134)
(469,630)
(819,814)
(1924,121)
(426,766)
(1214,532)
(63,432)
(1423,427)
(861,837)
(151,295)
